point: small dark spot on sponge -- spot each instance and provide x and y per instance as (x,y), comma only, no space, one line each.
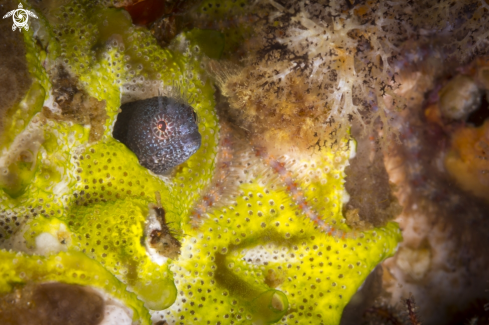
(51,304)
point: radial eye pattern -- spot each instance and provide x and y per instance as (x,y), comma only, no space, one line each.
(161,125)
(162,128)
(161,131)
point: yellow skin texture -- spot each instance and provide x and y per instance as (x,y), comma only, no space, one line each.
(100,194)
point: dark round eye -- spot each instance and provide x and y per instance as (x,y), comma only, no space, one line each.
(160,131)
(161,125)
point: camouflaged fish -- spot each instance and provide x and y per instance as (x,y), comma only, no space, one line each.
(251,236)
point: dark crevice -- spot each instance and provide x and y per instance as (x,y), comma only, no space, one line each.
(481,114)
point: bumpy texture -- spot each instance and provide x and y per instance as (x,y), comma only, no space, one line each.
(263,238)
(326,63)
(73,268)
(55,303)
(161,132)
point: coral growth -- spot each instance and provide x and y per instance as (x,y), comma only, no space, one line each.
(322,63)
(444,224)
(468,159)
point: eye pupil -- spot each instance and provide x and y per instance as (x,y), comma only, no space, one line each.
(161,125)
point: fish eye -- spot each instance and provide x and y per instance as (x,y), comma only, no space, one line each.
(159,131)
(161,125)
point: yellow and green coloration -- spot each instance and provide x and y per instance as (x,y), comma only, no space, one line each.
(254,258)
